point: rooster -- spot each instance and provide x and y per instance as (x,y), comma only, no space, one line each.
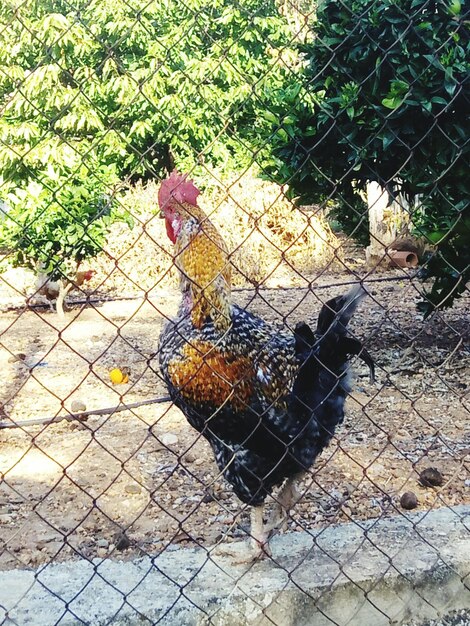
(58,289)
(267,402)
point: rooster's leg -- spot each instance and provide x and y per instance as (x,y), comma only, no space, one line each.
(258,541)
(285,500)
(259,534)
(63,291)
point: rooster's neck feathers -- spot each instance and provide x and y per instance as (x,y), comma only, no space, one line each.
(203,261)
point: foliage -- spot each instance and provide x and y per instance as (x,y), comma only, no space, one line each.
(55,235)
(384,97)
(95,91)
(125,83)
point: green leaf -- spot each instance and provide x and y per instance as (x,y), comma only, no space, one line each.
(455,7)
(392,103)
(387,140)
(436,236)
(270,117)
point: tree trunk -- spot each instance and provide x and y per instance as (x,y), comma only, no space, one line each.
(388,219)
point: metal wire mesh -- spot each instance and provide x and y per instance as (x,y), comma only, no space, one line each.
(104,486)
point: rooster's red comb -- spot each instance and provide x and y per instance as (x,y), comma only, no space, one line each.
(177,187)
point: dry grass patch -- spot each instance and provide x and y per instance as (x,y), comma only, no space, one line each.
(271,242)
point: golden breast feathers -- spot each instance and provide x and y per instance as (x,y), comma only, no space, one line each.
(205,375)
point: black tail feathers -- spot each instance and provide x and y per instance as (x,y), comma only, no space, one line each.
(336,314)
(330,343)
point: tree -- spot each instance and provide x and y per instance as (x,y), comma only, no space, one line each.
(384,98)
(53,233)
(96,92)
(124,82)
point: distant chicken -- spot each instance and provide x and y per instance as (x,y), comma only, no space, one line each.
(268,402)
(56,290)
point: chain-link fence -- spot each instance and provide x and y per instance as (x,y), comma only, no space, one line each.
(329,144)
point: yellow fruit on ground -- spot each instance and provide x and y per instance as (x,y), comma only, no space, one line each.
(117,376)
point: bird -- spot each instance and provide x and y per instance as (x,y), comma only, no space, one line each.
(56,290)
(267,400)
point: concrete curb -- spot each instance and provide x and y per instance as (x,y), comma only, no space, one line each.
(412,568)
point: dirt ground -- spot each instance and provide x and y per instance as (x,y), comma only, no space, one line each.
(141,480)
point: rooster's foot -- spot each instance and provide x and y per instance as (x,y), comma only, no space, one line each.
(259,547)
(243,554)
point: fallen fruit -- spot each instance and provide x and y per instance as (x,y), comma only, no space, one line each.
(431,477)
(119,376)
(409,500)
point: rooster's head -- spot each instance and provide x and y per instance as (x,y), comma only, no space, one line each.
(88,275)
(176,195)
